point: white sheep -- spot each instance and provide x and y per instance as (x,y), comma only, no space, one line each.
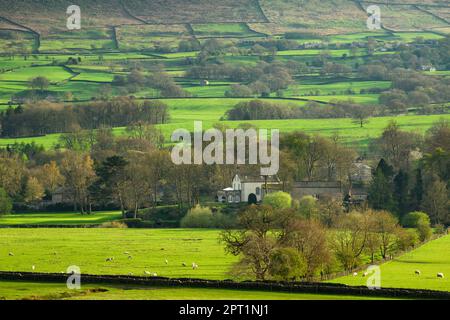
(110,259)
(355,274)
(417,272)
(130,257)
(154,274)
(126,253)
(184,264)
(33,267)
(440,275)
(365,274)
(194,266)
(147,272)
(166,261)
(11,254)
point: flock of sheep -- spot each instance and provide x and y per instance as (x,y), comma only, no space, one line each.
(153,274)
(440,275)
(146,272)
(417,272)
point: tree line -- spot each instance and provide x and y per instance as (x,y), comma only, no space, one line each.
(44,117)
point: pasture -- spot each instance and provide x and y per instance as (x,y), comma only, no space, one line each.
(52,218)
(53,250)
(187,113)
(429,259)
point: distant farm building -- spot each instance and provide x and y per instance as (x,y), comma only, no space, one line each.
(249,189)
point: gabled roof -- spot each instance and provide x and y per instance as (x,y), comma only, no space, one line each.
(259,179)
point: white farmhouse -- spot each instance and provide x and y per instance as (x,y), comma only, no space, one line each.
(249,189)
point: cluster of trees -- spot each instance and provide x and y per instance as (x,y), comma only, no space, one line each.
(413,173)
(259,80)
(44,117)
(410,87)
(262,110)
(157,79)
(303,247)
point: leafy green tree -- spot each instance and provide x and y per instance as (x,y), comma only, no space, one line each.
(111,176)
(417,191)
(381,195)
(40,83)
(5,202)
(278,200)
(308,207)
(401,192)
(436,202)
(287,264)
(412,219)
(34,191)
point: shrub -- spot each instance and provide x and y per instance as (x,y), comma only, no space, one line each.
(203,217)
(424,230)
(308,207)
(439,229)
(113,224)
(287,264)
(5,202)
(407,238)
(412,219)
(278,200)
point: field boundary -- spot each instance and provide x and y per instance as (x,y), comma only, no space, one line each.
(292,287)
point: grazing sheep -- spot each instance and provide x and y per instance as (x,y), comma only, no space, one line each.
(440,275)
(154,274)
(11,254)
(417,272)
(194,266)
(147,272)
(355,274)
(126,253)
(130,257)
(365,274)
(166,261)
(33,267)
(184,264)
(110,259)
(130,273)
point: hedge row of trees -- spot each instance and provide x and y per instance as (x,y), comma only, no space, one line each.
(45,117)
(304,248)
(262,110)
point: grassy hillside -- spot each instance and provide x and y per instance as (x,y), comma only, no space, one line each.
(52,250)
(430,259)
(89,248)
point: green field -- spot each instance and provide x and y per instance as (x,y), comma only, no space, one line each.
(430,259)
(13,290)
(89,248)
(187,113)
(53,250)
(53,73)
(58,218)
